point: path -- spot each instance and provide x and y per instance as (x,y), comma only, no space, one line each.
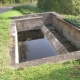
(4,9)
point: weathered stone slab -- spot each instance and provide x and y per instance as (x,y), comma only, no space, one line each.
(69,31)
(29,23)
(54,41)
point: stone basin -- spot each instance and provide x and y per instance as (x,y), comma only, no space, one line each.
(62,36)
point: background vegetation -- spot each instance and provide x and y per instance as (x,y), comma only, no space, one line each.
(16,1)
(60,6)
(74,20)
(28,9)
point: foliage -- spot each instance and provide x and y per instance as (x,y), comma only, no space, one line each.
(75,20)
(40,4)
(17,1)
(27,9)
(60,6)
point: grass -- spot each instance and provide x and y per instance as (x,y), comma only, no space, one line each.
(4,39)
(11,13)
(60,71)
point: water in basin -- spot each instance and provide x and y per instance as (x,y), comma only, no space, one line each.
(34,45)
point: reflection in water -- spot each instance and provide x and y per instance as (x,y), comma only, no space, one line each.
(30,35)
(34,45)
(23,49)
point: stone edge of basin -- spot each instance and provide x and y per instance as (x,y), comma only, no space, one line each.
(54,41)
(29,23)
(59,58)
(50,60)
(14,31)
(14,48)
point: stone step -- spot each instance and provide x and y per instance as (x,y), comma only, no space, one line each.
(67,44)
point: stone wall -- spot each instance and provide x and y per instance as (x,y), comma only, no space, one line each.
(14,48)
(32,23)
(38,21)
(69,31)
(29,23)
(49,60)
(54,41)
(47,17)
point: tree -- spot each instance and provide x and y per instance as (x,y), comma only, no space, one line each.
(61,6)
(17,1)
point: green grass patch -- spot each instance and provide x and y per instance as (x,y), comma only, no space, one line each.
(4,41)
(10,14)
(61,71)
(74,20)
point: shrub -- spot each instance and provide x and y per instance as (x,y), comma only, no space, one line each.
(27,9)
(23,9)
(74,20)
(60,6)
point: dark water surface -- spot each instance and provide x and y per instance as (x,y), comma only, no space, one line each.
(34,45)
